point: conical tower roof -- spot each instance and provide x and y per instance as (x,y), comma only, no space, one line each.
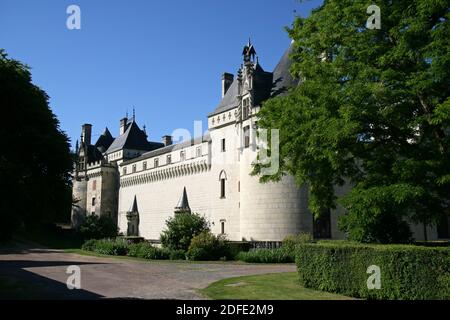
(183,203)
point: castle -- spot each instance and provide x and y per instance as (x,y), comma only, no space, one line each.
(140,183)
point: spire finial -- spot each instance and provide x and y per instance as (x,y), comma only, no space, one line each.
(134,113)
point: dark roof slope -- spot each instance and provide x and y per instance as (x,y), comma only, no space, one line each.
(104,141)
(229,101)
(266,84)
(133,138)
(167,149)
(282,79)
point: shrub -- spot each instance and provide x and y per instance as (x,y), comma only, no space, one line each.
(407,271)
(181,229)
(95,227)
(146,251)
(108,247)
(177,254)
(237,247)
(290,241)
(206,246)
(278,255)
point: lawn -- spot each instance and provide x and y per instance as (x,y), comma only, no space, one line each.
(275,286)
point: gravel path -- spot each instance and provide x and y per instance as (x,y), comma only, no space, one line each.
(45,271)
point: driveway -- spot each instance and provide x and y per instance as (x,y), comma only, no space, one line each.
(44,270)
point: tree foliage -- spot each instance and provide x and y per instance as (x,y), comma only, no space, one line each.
(35,162)
(95,227)
(372,110)
(181,229)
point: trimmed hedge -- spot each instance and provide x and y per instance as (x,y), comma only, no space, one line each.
(279,255)
(408,272)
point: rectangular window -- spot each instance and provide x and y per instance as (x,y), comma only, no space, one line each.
(156,163)
(199,151)
(246,137)
(239,186)
(222,188)
(144,165)
(222,227)
(245,108)
(169,159)
(124,170)
(93,201)
(182,156)
(223,146)
(134,168)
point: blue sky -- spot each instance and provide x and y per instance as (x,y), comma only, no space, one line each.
(163,57)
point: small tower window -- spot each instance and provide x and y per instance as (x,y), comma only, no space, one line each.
(156,163)
(144,165)
(223,145)
(222,188)
(169,159)
(93,201)
(222,226)
(239,186)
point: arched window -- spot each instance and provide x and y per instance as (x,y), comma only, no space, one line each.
(222,179)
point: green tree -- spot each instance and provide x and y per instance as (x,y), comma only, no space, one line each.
(373,110)
(95,227)
(181,229)
(35,161)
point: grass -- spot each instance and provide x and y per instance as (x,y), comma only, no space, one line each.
(274,286)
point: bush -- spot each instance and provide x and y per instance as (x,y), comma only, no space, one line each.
(407,271)
(176,254)
(181,229)
(108,247)
(95,227)
(237,247)
(206,246)
(290,241)
(147,251)
(278,255)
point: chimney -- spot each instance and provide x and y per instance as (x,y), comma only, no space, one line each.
(86,131)
(167,140)
(123,125)
(227,80)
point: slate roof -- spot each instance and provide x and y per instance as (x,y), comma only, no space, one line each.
(133,138)
(167,149)
(104,141)
(282,79)
(266,84)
